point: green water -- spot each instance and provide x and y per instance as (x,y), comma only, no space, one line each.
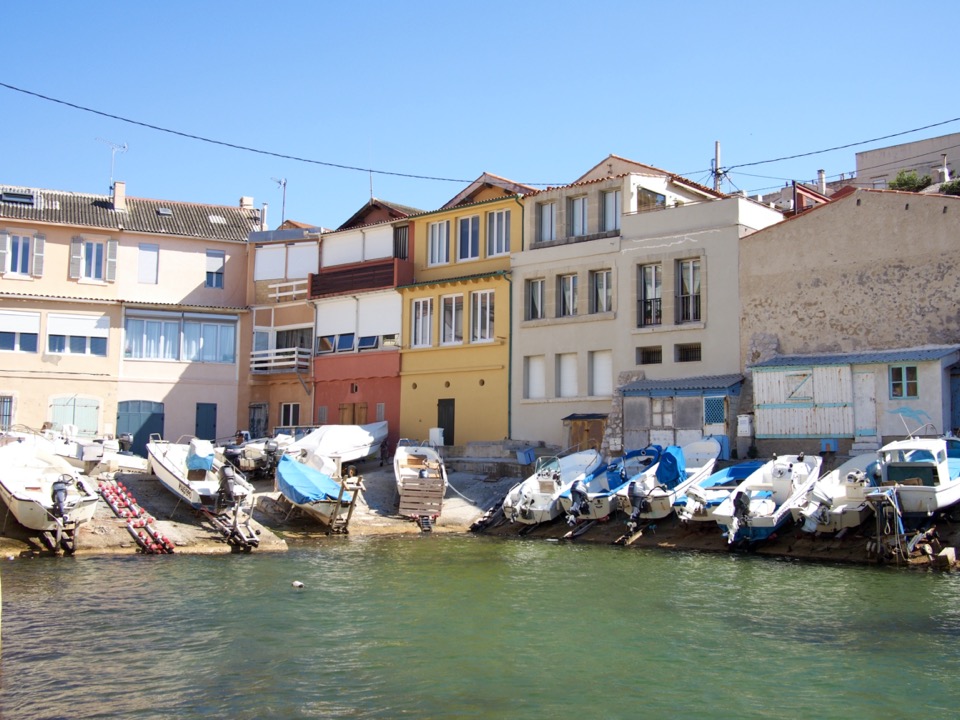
(462,627)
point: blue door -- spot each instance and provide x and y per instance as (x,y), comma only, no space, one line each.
(206,421)
(955,402)
(140,418)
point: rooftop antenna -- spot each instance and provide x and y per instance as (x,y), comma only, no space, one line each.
(114,149)
(282,184)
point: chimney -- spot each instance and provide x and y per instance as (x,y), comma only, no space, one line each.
(263,217)
(246,202)
(120,196)
(944,170)
(822,182)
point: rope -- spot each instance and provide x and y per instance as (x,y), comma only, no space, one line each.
(450,485)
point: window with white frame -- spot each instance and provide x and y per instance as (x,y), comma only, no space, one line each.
(601,294)
(481,316)
(546,222)
(215,262)
(612,209)
(422,323)
(21,254)
(534,299)
(498,233)
(567,295)
(904,383)
(451,320)
(289,414)
(688,291)
(93,259)
(75,334)
(468,240)
(152,339)
(208,341)
(205,339)
(438,249)
(649,302)
(19,331)
(661,412)
(148,263)
(577,208)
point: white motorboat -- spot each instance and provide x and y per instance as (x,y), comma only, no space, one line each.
(651,494)
(761,504)
(321,493)
(838,500)
(44,492)
(421,480)
(536,499)
(700,500)
(193,472)
(924,473)
(350,443)
(593,496)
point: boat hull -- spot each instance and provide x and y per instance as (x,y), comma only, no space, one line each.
(535,500)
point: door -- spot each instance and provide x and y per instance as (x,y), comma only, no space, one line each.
(445,419)
(82,413)
(955,403)
(864,405)
(206,421)
(140,418)
(257,420)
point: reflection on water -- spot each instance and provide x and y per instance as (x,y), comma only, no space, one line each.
(467,627)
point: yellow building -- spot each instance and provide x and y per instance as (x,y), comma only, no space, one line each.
(455,354)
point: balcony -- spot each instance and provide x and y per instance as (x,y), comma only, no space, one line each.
(280,360)
(288,290)
(368,275)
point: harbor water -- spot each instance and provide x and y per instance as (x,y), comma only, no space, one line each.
(471,627)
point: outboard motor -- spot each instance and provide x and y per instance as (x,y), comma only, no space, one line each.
(638,503)
(58,493)
(227,492)
(232,454)
(125,441)
(271,456)
(578,497)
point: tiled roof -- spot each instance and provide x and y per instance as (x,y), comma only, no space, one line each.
(914,354)
(157,217)
(682,386)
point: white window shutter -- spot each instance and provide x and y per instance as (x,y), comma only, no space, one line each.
(111,271)
(4,244)
(76,257)
(38,246)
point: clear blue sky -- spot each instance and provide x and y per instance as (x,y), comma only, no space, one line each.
(537,92)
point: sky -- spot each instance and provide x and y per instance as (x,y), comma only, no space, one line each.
(307,106)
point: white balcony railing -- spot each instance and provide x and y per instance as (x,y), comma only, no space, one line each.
(287,291)
(280,360)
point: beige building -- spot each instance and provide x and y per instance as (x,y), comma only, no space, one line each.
(625,304)
(849,313)
(936,157)
(120,314)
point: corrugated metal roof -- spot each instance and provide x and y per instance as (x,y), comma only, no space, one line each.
(691,385)
(585,416)
(459,278)
(157,217)
(915,354)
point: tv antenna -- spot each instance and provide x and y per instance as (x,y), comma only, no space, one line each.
(282,184)
(114,149)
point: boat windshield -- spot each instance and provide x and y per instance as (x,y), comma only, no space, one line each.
(548,464)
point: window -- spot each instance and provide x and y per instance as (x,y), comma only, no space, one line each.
(368,342)
(600,363)
(578,216)
(152,339)
(567,375)
(21,254)
(322,415)
(535,299)
(325,344)
(209,342)
(77,345)
(19,331)
(601,295)
(422,322)
(401,247)
(650,355)
(649,200)
(714,410)
(6,412)
(215,262)
(689,352)
(345,342)
(546,222)
(661,412)
(688,291)
(612,209)
(903,382)
(534,383)
(93,259)
(469,239)
(289,414)
(381,412)
(438,252)
(498,233)
(18,341)
(567,296)
(294,338)
(451,321)
(148,264)
(481,314)
(651,286)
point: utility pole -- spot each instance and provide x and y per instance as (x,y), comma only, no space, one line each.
(717,174)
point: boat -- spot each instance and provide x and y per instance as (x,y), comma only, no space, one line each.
(421,480)
(593,496)
(651,494)
(350,443)
(702,498)
(838,500)
(44,492)
(761,504)
(321,493)
(535,499)
(192,471)
(923,472)
(256,458)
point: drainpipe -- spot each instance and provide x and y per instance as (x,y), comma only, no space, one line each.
(509,276)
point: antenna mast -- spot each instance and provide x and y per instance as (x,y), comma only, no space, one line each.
(282,184)
(114,149)
(717,172)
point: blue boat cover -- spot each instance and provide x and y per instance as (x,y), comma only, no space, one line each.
(672,468)
(303,484)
